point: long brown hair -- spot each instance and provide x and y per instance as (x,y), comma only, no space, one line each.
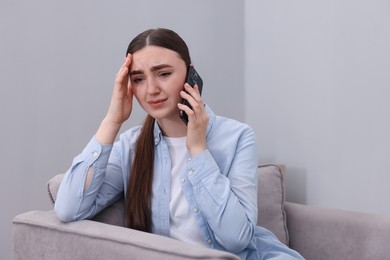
(139,188)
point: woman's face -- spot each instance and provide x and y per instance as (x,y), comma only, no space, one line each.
(157,76)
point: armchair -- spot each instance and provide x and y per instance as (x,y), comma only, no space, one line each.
(316,233)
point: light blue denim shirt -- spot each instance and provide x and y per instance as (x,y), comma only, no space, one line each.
(220,185)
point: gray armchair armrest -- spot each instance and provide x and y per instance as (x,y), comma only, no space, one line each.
(319,233)
(40,235)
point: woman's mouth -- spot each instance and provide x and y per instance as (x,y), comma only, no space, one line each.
(156,102)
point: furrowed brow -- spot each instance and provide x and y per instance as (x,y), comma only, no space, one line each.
(161,66)
(136,72)
(154,68)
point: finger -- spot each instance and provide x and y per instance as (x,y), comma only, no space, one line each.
(126,65)
(193,91)
(187,97)
(123,73)
(127,61)
(192,95)
(197,108)
(187,110)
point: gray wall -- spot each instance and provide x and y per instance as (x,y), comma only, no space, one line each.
(58,60)
(317,93)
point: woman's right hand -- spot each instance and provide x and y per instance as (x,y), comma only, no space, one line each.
(122,97)
(120,107)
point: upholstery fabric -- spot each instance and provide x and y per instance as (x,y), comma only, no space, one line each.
(41,235)
(271,198)
(323,234)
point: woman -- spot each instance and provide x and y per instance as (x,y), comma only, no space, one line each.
(194,182)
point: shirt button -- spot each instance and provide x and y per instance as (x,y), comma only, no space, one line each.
(189,159)
(190,173)
(182,180)
(94,154)
(196,210)
(209,241)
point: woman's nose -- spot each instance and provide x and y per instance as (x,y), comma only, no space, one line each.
(153,87)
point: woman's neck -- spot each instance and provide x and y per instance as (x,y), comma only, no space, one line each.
(172,127)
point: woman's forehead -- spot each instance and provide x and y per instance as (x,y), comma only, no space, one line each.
(152,56)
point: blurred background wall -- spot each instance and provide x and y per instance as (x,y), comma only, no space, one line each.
(317,94)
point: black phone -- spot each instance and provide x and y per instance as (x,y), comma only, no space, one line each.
(192,79)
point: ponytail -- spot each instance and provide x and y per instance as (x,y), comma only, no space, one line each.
(139,188)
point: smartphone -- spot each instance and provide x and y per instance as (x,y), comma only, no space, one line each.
(192,79)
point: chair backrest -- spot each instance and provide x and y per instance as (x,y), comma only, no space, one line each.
(271,198)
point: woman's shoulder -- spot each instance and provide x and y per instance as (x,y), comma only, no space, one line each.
(129,133)
(222,127)
(231,126)
(129,137)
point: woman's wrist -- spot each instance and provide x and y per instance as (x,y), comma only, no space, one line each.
(196,150)
(107,131)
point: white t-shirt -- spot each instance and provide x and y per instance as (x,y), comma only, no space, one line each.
(182,223)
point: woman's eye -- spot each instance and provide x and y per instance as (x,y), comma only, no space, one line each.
(165,74)
(137,80)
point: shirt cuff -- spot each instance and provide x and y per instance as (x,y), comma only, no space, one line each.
(201,166)
(95,150)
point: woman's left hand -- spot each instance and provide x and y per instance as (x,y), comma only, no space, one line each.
(197,120)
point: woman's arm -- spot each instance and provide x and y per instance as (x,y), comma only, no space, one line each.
(228,200)
(118,112)
(95,179)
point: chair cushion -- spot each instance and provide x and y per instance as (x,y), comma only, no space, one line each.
(271,198)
